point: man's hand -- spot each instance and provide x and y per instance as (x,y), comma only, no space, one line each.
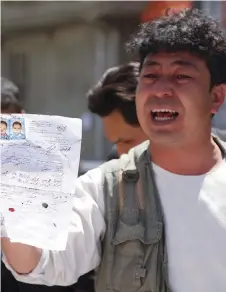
(22,258)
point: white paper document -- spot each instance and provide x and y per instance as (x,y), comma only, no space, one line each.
(39,166)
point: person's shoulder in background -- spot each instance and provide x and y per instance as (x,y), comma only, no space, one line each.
(219,120)
(220,133)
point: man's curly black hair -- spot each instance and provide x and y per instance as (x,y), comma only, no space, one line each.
(116,92)
(190,30)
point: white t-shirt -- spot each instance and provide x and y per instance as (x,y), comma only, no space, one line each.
(195,215)
(195,218)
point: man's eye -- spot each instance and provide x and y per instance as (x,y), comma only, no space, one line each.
(128,141)
(182,76)
(150,76)
(125,142)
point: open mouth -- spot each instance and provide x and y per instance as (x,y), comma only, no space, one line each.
(164,115)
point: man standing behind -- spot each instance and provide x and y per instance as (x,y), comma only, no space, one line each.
(9,97)
(113,99)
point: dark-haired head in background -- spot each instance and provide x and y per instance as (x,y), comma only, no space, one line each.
(9,97)
(183,69)
(113,99)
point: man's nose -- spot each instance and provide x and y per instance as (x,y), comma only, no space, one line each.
(162,88)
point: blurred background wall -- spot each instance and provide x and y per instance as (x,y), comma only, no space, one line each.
(55,50)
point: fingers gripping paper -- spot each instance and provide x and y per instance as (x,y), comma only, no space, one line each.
(39,167)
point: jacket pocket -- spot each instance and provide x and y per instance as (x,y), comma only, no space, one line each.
(131,244)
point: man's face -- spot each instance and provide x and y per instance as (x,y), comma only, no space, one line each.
(17,129)
(3,129)
(123,135)
(173,99)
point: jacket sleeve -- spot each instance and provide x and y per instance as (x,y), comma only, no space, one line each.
(82,253)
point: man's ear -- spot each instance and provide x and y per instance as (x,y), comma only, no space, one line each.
(218,96)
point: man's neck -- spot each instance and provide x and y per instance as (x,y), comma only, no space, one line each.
(197,159)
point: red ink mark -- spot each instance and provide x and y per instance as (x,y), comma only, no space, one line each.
(11,209)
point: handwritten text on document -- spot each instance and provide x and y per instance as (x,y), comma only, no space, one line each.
(39,167)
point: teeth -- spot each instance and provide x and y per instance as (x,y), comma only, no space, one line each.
(163,119)
(163,111)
